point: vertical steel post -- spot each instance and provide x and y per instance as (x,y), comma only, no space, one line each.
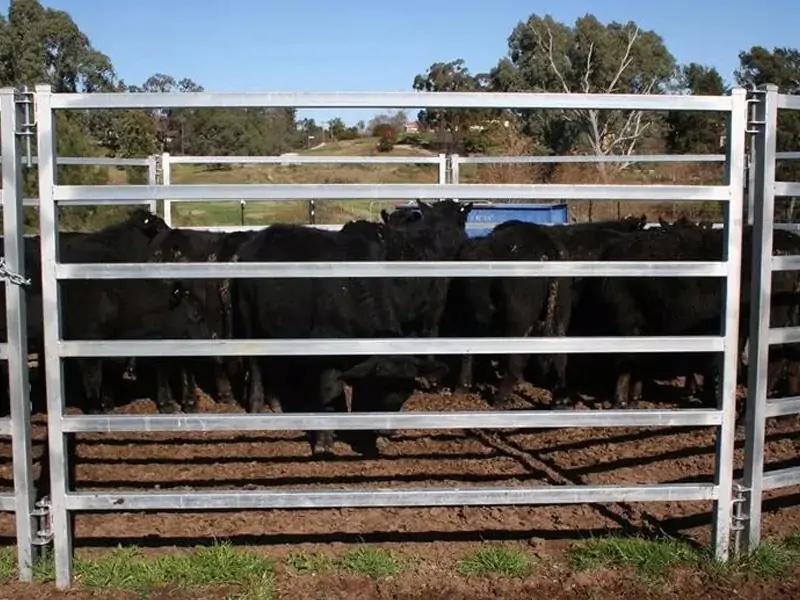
(51,311)
(16,326)
(166,179)
(737,125)
(763,153)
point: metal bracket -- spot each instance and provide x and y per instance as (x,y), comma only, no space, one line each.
(738,516)
(15,278)
(25,98)
(44,522)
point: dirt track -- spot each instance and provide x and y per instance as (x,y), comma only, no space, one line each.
(412,458)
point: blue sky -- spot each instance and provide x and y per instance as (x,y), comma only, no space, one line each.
(380,45)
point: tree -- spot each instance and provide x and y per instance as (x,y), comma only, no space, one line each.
(696,132)
(781,67)
(451,76)
(589,57)
(397,122)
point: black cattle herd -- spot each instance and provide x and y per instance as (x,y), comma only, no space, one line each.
(394,307)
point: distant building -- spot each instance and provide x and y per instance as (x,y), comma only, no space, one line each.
(411,127)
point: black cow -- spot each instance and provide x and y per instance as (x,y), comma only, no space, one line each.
(335,307)
(511,306)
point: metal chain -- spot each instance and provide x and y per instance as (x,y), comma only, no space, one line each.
(15,278)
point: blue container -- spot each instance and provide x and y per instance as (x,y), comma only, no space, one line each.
(494,214)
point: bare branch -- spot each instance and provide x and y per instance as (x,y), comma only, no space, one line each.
(588,72)
(626,59)
(548,48)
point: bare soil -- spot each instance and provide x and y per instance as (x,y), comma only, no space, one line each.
(439,536)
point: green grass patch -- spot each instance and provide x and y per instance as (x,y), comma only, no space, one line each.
(8,563)
(375,563)
(773,559)
(496,560)
(304,563)
(649,559)
(127,568)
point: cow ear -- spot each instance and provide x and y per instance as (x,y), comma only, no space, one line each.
(466,208)
(423,206)
(384,216)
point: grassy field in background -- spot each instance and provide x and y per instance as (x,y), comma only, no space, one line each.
(340,211)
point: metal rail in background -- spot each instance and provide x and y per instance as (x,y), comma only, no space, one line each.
(167,161)
(15,351)
(150,162)
(762,336)
(51,194)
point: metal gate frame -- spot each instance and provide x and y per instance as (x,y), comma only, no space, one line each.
(15,351)
(767,101)
(60,425)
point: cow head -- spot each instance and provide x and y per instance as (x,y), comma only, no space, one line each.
(146,222)
(186,316)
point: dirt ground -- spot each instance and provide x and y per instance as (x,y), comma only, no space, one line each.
(282,460)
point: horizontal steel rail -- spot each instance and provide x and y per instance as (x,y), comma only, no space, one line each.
(783,407)
(89,161)
(404,346)
(34,202)
(410,420)
(786,263)
(781,478)
(500,496)
(783,335)
(406,100)
(306,159)
(246,270)
(120,194)
(787,156)
(787,188)
(609,158)
(788,102)
(7,502)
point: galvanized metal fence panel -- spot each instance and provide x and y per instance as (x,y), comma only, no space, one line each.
(766,189)
(64,502)
(15,350)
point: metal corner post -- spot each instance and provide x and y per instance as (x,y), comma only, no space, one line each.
(16,327)
(735,163)
(763,193)
(48,225)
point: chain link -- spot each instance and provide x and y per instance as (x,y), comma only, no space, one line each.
(15,278)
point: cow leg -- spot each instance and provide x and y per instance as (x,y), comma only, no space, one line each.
(332,399)
(636,389)
(164,401)
(130,370)
(188,391)
(515,368)
(466,373)
(622,392)
(92,378)
(256,394)
(224,387)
